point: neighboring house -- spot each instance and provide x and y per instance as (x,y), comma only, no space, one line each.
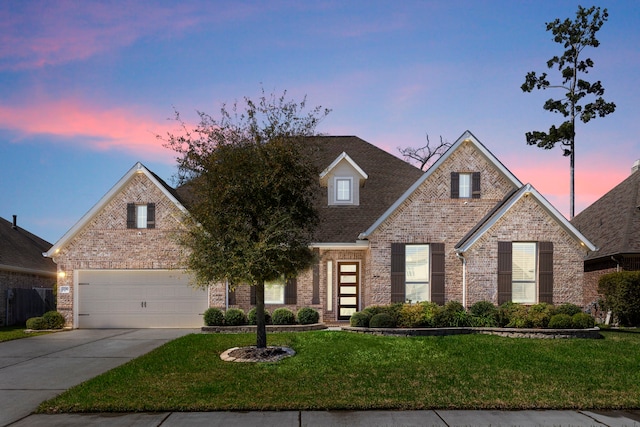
(27,278)
(465,230)
(613,224)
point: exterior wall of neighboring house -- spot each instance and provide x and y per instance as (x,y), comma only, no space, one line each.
(431,215)
(106,242)
(526,221)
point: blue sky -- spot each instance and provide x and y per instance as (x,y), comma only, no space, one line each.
(85,86)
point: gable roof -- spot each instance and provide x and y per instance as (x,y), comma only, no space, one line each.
(507,203)
(613,221)
(138,168)
(467,137)
(21,251)
(388,177)
(344,156)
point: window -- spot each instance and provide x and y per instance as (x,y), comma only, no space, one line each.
(343,189)
(417,273)
(141,215)
(465,185)
(523,274)
(274,291)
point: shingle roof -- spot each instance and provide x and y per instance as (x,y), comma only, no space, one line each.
(613,221)
(388,178)
(21,250)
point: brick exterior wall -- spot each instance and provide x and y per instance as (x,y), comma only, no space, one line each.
(591,279)
(106,243)
(430,215)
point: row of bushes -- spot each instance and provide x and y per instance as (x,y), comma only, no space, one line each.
(49,320)
(622,296)
(280,316)
(480,314)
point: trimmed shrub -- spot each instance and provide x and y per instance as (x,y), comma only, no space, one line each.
(582,321)
(538,315)
(251,317)
(483,314)
(452,314)
(283,316)
(213,317)
(36,323)
(560,321)
(519,317)
(382,320)
(360,319)
(235,317)
(411,316)
(53,320)
(567,308)
(622,296)
(392,310)
(429,311)
(505,312)
(308,316)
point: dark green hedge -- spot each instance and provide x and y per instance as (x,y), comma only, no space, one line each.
(622,296)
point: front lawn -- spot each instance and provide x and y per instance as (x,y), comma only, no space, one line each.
(8,333)
(341,370)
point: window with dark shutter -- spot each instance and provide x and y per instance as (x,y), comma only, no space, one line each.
(437,273)
(397,272)
(151,215)
(131,215)
(455,185)
(545,279)
(475,185)
(291,291)
(504,272)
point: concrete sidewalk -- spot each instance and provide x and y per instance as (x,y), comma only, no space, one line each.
(341,419)
(35,369)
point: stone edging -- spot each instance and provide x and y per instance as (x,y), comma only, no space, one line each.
(270,328)
(592,333)
(287,352)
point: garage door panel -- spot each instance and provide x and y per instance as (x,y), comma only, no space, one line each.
(138,299)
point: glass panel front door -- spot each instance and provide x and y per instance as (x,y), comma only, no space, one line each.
(348,281)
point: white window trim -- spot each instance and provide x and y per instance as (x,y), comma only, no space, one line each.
(275,283)
(469,177)
(335,184)
(428,281)
(535,275)
(141,216)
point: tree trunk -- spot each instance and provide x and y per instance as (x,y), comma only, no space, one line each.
(261,330)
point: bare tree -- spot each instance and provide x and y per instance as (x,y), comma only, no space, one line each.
(425,156)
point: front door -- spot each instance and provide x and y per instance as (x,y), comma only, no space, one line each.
(348,281)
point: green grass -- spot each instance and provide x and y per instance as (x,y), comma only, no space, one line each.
(341,370)
(8,333)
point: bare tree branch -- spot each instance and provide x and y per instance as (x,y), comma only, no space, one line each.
(425,156)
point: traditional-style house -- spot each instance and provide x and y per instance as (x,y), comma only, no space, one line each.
(612,223)
(465,230)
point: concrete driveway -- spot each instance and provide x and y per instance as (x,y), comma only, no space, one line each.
(35,369)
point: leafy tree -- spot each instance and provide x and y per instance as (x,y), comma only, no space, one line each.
(575,36)
(251,213)
(426,155)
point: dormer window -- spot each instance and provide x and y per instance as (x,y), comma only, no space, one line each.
(344,190)
(343,179)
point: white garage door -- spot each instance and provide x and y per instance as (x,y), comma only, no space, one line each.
(138,299)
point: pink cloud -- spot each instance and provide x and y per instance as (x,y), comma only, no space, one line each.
(91,126)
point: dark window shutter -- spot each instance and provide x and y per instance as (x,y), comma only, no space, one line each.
(455,185)
(151,215)
(252,295)
(315,291)
(231,295)
(397,272)
(291,291)
(131,215)
(437,273)
(545,273)
(475,185)
(504,272)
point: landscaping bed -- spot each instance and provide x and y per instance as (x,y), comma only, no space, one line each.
(270,328)
(592,333)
